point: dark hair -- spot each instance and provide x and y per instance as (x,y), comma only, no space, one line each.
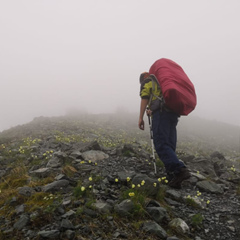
(143,76)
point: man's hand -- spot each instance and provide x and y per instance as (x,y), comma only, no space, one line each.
(143,106)
(148,112)
(141,124)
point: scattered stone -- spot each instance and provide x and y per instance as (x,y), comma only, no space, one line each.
(155,229)
(26,191)
(41,172)
(125,208)
(69,234)
(22,222)
(158,214)
(173,194)
(103,207)
(67,214)
(94,155)
(55,186)
(148,186)
(179,225)
(52,234)
(20,209)
(209,186)
(66,224)
(199,176)
(54,163)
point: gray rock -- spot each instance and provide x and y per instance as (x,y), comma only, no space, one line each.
(103,207)
(203,165)
(60,155)
(148,186)
(69,234)
(172,202)
(26,191)
(158,214)
(41,172)
(173,194)
(155,229)
(173,238)
(20,209)
(218,155)
(209,186)
(54,163)
(153,203)
(179,225)
(61,177)
(94,155)
(199,176)
(69,214)
(76,154)
(196,201)
(125,208)
(83,147)
(52,234)
(90,212)
(66,224)
(122,176)
(22,222)
(55,186)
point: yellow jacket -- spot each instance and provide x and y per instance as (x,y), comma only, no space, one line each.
(151,92)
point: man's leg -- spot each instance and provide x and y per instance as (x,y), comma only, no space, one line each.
(164,135)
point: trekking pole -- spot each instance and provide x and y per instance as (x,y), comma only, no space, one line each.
(151,134)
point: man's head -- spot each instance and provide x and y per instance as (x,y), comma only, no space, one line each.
(143,76)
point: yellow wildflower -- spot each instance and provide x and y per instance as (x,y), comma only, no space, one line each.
(131,194)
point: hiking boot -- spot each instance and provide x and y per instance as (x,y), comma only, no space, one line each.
(179,177)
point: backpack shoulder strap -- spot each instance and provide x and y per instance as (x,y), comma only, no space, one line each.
(154,79)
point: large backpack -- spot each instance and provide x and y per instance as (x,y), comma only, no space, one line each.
(177,89)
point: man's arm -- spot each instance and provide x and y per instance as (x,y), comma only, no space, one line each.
(143,106)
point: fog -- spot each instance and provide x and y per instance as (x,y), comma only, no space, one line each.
(62,56)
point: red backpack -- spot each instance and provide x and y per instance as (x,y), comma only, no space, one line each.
(177,89)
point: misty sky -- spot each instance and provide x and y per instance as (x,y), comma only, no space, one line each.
(57,55)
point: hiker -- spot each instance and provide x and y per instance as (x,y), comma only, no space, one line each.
(164,122)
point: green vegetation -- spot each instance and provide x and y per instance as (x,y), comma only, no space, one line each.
(197,220)
(19,153)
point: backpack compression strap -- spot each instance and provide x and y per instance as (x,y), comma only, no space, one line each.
(154,79)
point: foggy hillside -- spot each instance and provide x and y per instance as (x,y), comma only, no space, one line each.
(60,55)
(193,132)
(58,174)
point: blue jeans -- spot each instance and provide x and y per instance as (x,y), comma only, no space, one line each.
(165,139)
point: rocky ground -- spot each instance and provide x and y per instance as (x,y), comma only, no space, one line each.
(78,179)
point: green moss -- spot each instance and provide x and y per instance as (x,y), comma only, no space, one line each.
(138,198)
(161,193)
(127,153)
(77,192)
(197,220)
(191,202)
